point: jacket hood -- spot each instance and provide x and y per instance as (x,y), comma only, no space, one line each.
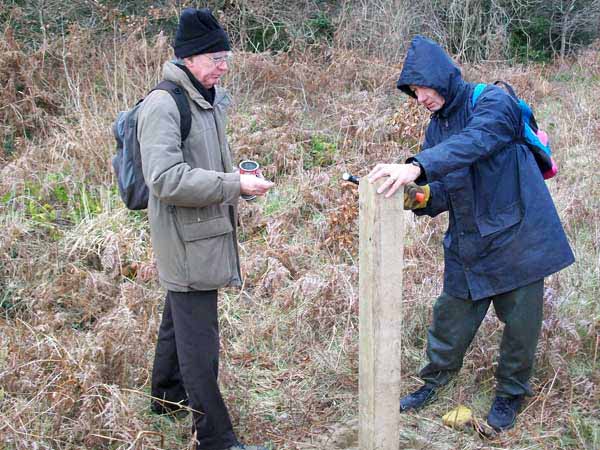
(428,65)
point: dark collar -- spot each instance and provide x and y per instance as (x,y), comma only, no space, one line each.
(208,94)
(458,96)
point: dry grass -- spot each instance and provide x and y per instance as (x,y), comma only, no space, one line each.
(79,314)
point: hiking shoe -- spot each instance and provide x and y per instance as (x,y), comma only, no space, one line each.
(418,398)
(503,412)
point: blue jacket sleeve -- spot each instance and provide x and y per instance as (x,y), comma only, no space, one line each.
(438,196)
(494,124)
(438,200)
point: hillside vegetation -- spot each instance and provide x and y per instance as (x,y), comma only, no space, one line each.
(79,301)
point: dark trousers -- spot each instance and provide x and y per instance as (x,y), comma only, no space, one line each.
(186,366)
(455,322)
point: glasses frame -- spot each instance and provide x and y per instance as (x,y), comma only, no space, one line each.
(218,60)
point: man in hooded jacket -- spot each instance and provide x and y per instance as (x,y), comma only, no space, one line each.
(504,234)
(192,209)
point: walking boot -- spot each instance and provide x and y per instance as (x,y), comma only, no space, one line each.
(503,412)
(418,398)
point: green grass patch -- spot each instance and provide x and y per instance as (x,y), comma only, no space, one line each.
(583,431)
(10,303)
(280,200)
(8,146)
(55,200)
(321,152)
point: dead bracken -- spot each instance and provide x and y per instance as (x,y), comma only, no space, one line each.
(79,303)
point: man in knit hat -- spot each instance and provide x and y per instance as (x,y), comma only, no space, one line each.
(192,209)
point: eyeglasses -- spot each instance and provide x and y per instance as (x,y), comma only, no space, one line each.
(226,58)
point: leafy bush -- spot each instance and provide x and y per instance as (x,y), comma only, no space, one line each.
(531,42)
(546,29)
(473,30)
(320,28)
(269,36)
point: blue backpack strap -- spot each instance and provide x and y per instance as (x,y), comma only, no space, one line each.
(477,92)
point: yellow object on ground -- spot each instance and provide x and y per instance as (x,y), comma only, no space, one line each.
(458,417)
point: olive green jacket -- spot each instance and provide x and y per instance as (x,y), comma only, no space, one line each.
(193,192)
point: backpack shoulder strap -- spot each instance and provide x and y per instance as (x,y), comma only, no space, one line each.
(508,88)
(477,92)
(526,111)
(183,105)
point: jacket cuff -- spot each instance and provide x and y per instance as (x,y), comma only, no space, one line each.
(231,187)
(422,179)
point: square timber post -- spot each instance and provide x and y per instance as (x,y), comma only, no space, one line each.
(381,250)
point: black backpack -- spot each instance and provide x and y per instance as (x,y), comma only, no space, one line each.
(127,163)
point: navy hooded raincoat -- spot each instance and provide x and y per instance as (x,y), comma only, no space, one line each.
(504,231)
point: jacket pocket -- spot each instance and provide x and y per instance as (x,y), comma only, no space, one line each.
(203,229)
(496,221)
(208,246)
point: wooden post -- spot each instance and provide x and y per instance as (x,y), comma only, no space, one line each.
(380,324)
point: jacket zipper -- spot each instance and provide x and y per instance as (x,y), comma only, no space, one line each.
(231,209)
(173,210)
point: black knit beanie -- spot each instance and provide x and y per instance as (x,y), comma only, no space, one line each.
(199,32)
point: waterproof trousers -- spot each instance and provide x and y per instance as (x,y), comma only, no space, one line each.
(456,320)
(186,366)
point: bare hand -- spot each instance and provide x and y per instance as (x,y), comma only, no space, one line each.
(399,175)
(253,185)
